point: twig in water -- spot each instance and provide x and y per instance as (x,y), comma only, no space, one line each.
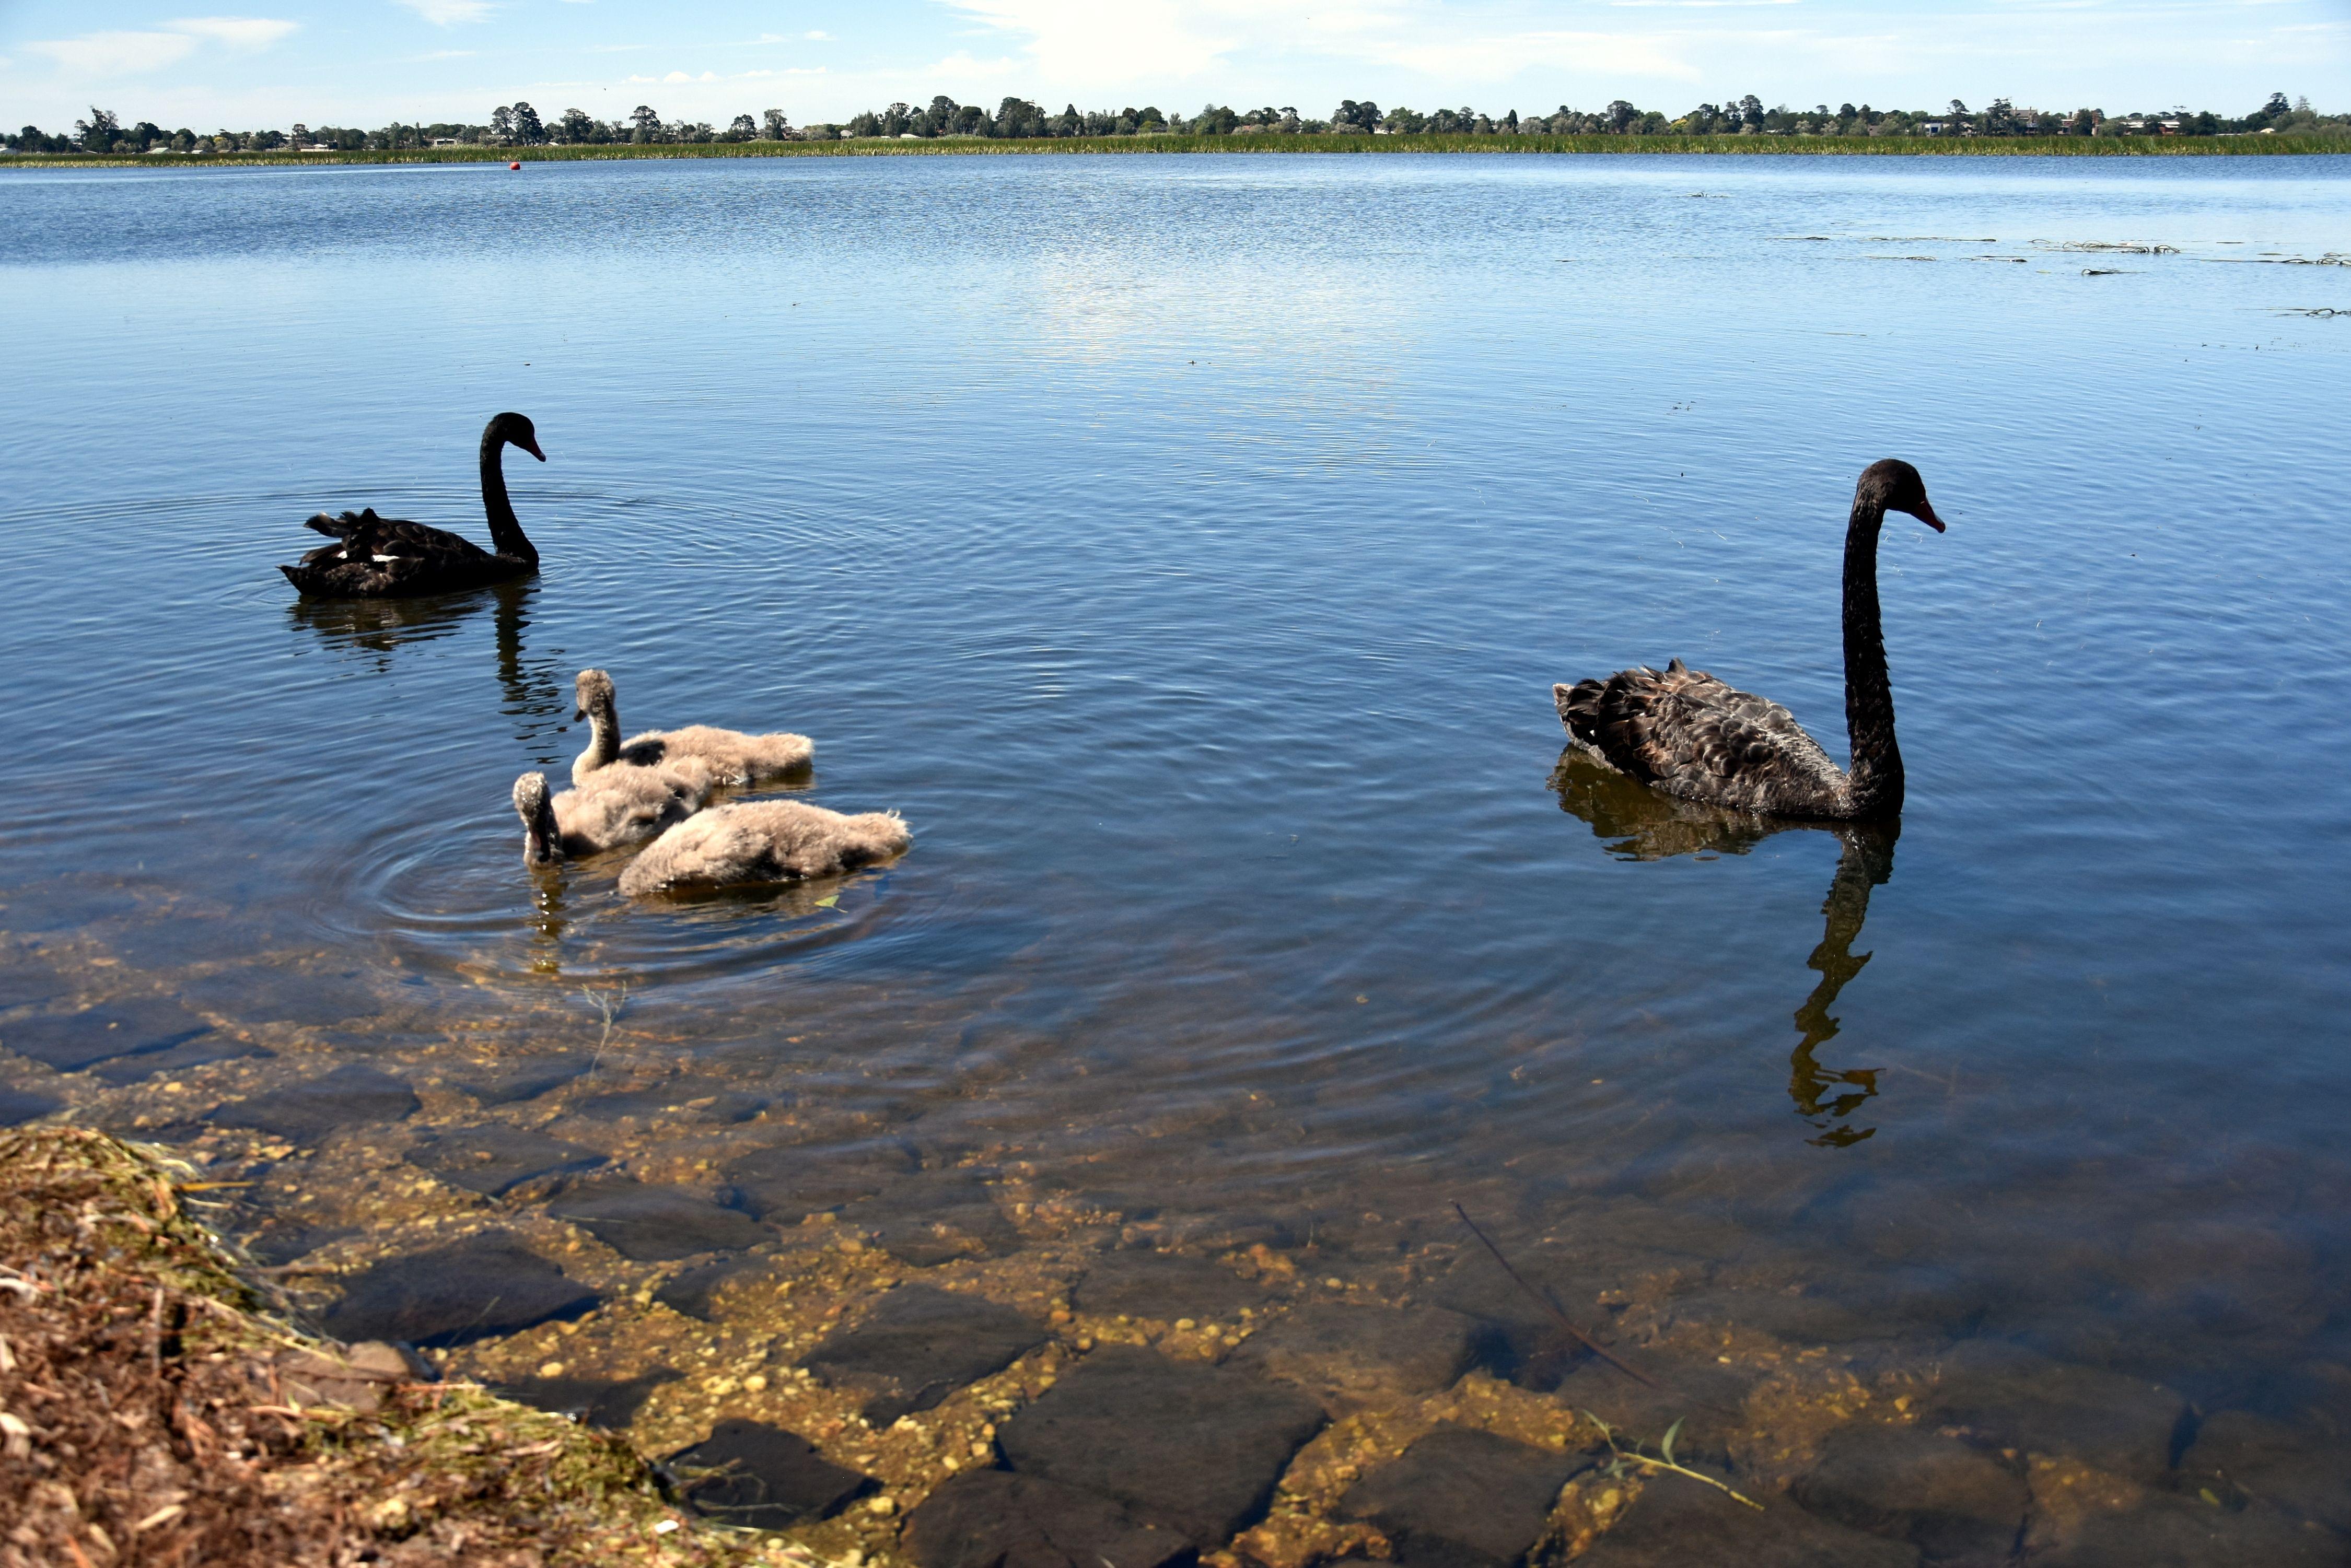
(1544,1301)
(608,1004)
(1621,1457)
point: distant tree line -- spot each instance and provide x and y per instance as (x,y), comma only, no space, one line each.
(517,124)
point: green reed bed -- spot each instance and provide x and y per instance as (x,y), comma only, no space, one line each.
(967,146)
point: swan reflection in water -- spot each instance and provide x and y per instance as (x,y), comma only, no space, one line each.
(1650,826)
(536,694)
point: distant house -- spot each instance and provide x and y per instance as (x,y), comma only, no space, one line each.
(1937,128)
(446,141)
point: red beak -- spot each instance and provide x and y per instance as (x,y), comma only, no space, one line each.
(1925,514)
(532,447)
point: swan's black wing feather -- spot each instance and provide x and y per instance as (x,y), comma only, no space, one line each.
(389,557)
(1690,735)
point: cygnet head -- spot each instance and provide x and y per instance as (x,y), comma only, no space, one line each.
(1895,485)
(592,690)
(538,812)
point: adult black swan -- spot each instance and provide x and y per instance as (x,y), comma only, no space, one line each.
(387,557)
(1682,731)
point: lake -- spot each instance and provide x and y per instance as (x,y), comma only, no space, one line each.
(1187,548)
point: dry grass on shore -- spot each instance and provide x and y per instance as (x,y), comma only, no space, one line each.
(156,1409)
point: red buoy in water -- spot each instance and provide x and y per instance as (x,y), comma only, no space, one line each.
(515,165)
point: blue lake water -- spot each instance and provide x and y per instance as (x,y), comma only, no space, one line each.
(1187,547)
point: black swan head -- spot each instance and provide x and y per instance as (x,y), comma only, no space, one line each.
(1896,487)
(593,687)
(537,813)
(513,430)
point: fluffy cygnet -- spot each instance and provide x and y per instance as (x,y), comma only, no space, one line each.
(732,756)
(618,808)
(763,841)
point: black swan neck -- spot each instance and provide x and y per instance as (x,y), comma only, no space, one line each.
(506,531)
(1876,776)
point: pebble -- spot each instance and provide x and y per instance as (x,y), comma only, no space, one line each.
(550,1369)
(882,1505)
(755,1384)
(1336,1283)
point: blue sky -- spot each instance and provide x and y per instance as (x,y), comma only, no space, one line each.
(369,61)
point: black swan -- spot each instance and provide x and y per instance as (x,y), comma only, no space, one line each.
(732,756)
(1684,733)
(636,803)
(387,557)
(762,841)
(1647,825)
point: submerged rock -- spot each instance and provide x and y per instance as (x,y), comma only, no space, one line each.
(70,1042)
(1459,1499)
(305,1112)
(691,1291)
(1164,1285)
(786,1185)
(495,1158)
(2014,1398)
(606,1402)
(655,1223)
(758,1477)
(503,1082)
(2167,1531)
(1196,1448)
(24,1104)
(1906,1483)
(482,1287)
(918,1345)
(2239,1453)
(189,1054)
(1680,1523)
(937,1216)
(1348,1352)
(997,1519)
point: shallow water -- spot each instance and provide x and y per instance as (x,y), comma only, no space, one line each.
(1187,546)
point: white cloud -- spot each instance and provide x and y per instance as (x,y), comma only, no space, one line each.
(116,54)
(443,13)
(237,31)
